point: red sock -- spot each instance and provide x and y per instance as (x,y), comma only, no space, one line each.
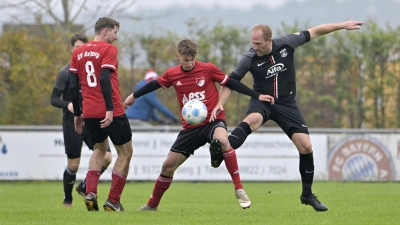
(162,184)
(233,168)
(92,181)
(117,186)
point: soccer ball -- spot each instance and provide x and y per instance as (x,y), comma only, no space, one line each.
(194,112)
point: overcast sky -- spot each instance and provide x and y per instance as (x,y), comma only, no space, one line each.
(241,4)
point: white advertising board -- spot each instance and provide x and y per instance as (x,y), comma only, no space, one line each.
(37,155)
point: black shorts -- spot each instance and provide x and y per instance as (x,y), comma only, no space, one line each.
(190,140)
(119,130)
(73,141)
(287,115)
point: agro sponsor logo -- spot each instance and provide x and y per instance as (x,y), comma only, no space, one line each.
(360,158)
(200,95)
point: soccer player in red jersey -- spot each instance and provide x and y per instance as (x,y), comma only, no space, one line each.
(95,67)
(72,140)
(196,80)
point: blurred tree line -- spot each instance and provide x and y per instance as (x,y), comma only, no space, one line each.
(347,79)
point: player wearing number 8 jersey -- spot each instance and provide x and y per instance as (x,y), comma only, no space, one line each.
(95,67)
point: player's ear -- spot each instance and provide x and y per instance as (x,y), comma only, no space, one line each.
(177,56)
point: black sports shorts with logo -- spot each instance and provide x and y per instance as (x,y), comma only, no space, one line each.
(119,130)
(190,140)
(286,114)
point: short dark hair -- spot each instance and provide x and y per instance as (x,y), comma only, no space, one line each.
(79,37)
(187,47)
(105,22)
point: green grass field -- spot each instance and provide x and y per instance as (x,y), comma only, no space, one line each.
(206,203)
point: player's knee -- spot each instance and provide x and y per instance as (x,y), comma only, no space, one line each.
(254,120)
(307,148)
(73,164)
(168,168)
(239,135)
(225,145)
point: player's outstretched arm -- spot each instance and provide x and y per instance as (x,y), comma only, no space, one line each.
(147,88)
(327,28)
(129,101)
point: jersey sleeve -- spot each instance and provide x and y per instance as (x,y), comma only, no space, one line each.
(244,65)
(295,40)
(164,80)
(72,66)
(217,75)
(110,58)
(62,79)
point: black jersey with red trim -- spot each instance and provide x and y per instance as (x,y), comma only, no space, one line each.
(274,74)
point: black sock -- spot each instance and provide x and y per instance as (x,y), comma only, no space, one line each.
(69,178)
(306,168)
(239,135)
(103,169)
(83,183)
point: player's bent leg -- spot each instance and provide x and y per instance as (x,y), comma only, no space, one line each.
(218,146)
(164,180)
(251,123)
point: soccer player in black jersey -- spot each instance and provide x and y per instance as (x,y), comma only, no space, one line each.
(271,63)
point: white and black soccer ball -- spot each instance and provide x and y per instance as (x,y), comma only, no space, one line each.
(194,112)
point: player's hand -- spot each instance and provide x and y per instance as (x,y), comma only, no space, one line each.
(78,122)
(108,120)
(70,107)
(267,98)
(353,25)
(129,101)
(215,112)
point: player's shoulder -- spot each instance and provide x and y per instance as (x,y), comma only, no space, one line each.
(173,70)
(64,70)
(251,53)
(205,64)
